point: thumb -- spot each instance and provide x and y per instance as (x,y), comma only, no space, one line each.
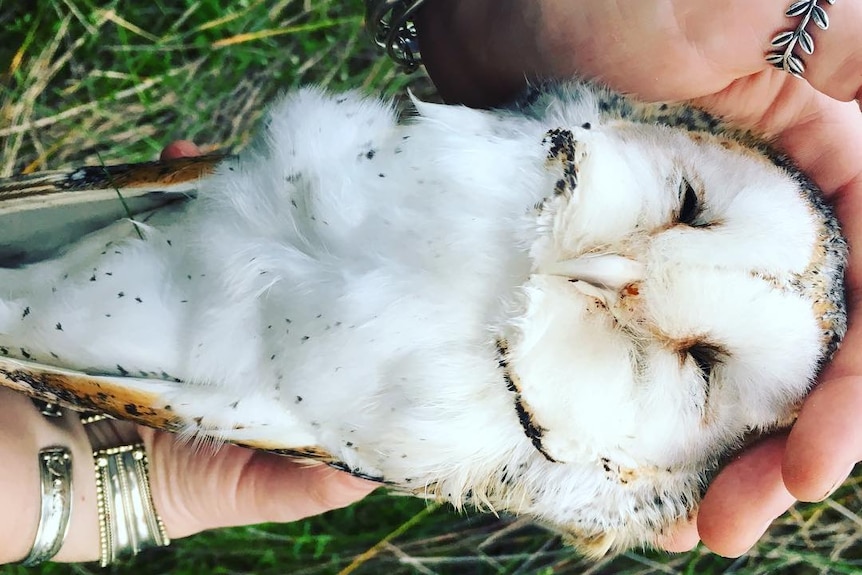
(195,488)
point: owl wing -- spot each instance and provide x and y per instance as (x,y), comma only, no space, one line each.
(132,399)
(123,398)
(41,213)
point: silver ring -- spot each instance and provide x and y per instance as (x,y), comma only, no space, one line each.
(55,471)
(390,23)
(785,42)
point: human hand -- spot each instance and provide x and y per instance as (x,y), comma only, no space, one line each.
(713,55)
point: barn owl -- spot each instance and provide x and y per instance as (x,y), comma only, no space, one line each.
(573,308)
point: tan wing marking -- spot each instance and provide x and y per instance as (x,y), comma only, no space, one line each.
(179,174)
(84,392)
(120,399)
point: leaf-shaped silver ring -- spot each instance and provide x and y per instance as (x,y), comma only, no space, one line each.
(786,41)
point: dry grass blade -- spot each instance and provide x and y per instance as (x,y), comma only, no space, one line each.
(408,560)
(76,111)
(38,76)
(261,34)
(845,512)
(365,557)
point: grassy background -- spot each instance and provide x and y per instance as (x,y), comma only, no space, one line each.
(82,79)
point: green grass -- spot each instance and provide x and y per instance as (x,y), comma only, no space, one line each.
(82,79)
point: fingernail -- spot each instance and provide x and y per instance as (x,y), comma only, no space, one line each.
(363,484)
(682,538)
(756,536)
(838,483)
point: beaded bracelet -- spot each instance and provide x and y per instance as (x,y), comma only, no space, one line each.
(128,522)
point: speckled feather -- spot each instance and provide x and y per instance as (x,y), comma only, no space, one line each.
(571,309)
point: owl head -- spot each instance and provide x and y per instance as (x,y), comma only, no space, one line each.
(686,287)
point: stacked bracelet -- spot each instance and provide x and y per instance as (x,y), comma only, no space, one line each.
(128,521)
(390,23)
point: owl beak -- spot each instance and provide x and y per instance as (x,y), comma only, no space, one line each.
(604,271)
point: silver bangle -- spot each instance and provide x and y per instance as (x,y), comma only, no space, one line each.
(390,23)
(128,522)
(55,471)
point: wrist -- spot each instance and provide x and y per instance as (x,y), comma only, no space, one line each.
(480,53)
(24,432)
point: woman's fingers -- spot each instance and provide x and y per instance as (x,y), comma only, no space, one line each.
(744,499)
(823,446)
(683,537)
(283,489)
(195,488)
(180,149)
(820,452)
(826,441)
(835,67)
(484,51)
